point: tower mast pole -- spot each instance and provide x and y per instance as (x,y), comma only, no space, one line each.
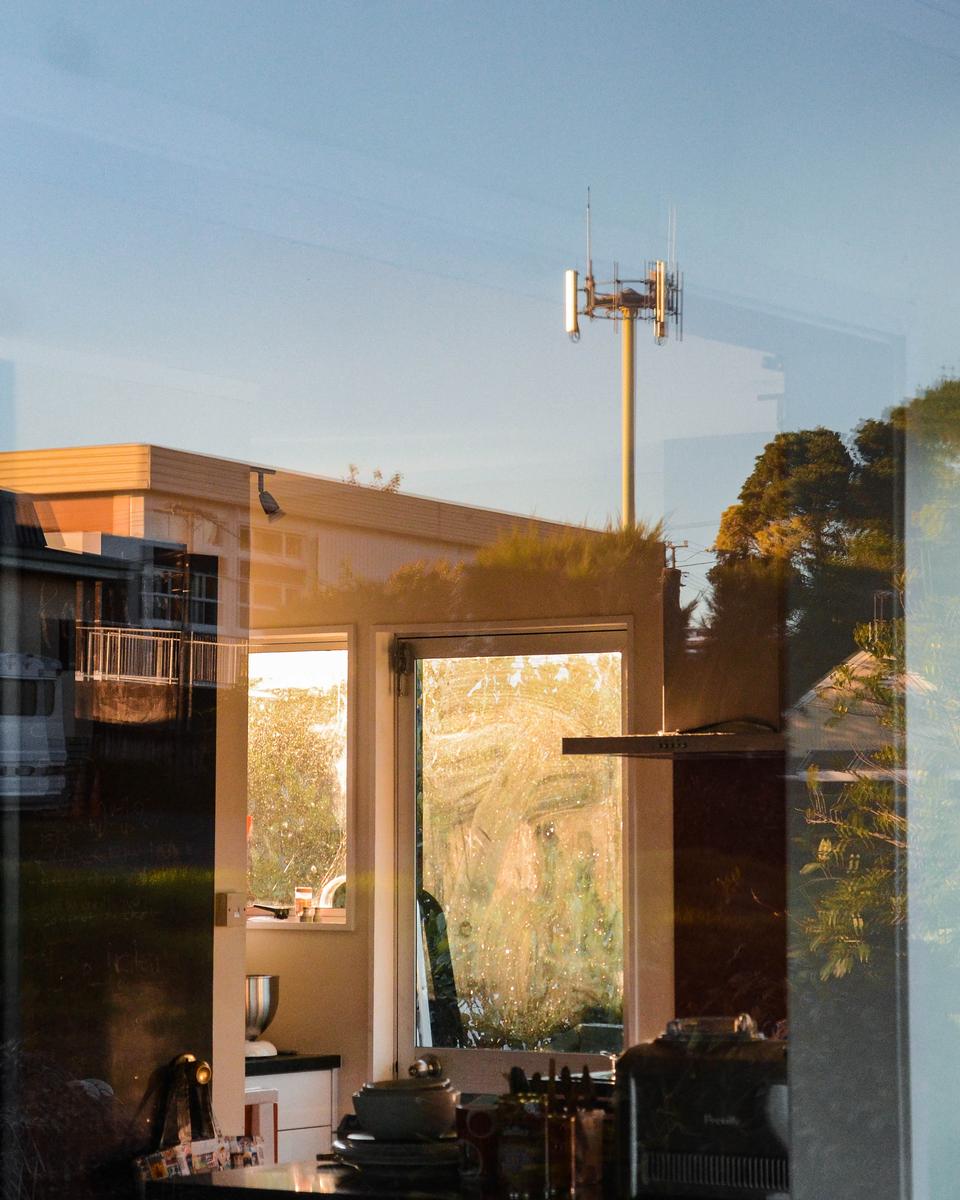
(628,483)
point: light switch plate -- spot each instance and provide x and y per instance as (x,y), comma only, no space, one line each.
(228,909)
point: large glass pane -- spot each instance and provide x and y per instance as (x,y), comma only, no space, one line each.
(519,853)
(282,347)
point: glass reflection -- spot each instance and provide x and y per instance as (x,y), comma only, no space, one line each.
(329,243)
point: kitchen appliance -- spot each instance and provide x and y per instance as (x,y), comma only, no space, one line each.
(702,1112)
(262,998)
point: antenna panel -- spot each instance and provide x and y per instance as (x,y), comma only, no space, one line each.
(660,300)
(571,323)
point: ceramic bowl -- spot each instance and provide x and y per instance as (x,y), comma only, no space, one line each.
(406,1110)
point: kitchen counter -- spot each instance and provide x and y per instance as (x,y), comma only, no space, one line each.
(284,1063)
(295,1179)
(299,1178)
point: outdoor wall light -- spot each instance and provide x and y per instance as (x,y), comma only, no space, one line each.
(268,502)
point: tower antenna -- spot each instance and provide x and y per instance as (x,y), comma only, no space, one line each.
(657,297)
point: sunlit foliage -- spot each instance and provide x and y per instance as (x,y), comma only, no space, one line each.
(892,810)
(295,795)
(521,846)
(857,833)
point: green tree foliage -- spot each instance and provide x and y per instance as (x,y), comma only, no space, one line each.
(857,835)
(295,798)
(854,881)
(812,536)
(793,503)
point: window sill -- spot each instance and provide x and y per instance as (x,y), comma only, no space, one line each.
(336,920)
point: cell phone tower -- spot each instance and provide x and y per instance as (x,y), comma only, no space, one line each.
(657,297)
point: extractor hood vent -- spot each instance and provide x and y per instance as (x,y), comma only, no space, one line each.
(742,738)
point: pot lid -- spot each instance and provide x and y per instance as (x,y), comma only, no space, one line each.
(418,1084)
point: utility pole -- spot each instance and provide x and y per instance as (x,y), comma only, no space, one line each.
(657,297)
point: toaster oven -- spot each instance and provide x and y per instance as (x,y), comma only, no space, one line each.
(702,1112)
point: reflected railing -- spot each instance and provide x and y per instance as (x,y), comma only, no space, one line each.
(124,654)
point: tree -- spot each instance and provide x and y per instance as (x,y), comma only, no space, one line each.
(294,793)
(390,484)
(857,835)
(854,879)
(815,523)
(792,505)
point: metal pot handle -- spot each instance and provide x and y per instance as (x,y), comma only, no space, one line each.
(427,1067)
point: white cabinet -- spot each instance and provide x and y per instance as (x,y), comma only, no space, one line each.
(296,1144)
(259,1118)
(306,1111)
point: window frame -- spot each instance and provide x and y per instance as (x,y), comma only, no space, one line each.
(318,639)
(479,1069)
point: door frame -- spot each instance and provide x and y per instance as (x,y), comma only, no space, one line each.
(475,1069)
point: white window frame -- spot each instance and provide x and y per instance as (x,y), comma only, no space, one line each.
(474,1069)
(321,638)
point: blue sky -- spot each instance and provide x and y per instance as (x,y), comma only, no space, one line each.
(320,233)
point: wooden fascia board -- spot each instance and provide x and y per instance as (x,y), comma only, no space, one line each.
(77,470)
(141,468)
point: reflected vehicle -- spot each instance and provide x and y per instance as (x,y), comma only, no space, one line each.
(33,750)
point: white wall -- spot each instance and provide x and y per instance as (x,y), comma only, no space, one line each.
(337,986)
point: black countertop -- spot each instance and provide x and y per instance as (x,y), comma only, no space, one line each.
(299,1178)
(286,1061)
(295,1179)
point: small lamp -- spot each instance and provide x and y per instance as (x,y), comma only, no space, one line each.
(268,502)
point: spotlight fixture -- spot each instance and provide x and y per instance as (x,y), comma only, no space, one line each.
(268,502)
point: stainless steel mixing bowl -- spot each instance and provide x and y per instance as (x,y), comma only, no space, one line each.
(263,995)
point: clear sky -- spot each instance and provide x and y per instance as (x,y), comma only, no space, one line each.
(314,234)
(271,670)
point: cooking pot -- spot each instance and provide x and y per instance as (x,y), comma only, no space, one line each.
(407,1110)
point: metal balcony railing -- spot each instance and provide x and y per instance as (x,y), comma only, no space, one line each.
(124,654)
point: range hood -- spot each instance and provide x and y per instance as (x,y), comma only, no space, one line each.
(743,738)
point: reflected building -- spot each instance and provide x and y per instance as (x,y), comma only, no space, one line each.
(245,571)
(106,794)
(131,576)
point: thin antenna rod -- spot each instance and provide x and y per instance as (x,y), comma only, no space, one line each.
(669,237)
(589,240)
